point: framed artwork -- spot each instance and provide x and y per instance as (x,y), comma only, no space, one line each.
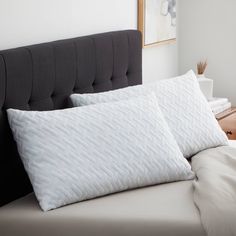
(157,21)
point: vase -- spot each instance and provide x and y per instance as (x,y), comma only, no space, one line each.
(206,86)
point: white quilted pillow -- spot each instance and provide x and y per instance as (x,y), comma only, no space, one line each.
(183,105)
(81,153)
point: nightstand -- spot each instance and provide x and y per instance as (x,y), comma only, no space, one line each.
(227,121)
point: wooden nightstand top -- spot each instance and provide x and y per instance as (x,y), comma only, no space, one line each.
(226,113)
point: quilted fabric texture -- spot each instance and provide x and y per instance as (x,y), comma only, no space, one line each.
(81,153)
(183,105)
(110,96)
(188,114)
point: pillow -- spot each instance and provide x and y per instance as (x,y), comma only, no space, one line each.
(81,153)
(184,107)
(111,96)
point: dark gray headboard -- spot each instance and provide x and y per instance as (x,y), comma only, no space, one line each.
(41,77)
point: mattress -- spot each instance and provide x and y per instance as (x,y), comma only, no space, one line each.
(166,209)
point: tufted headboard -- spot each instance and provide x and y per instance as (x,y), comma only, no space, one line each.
(41,77)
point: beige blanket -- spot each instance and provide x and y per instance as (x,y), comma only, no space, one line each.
(215,190)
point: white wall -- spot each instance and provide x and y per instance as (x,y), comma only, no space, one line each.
(207,30)
(24,22)
(160,62)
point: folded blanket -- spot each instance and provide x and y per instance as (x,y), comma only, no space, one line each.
(215,190)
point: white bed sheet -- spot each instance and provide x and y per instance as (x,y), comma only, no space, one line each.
(166,210)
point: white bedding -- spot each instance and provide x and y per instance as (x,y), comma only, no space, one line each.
(81,153)
(166,209)
(184,107)
(215,189)
(161,210)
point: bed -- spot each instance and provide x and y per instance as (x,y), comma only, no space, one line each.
(41,77)
(167,209)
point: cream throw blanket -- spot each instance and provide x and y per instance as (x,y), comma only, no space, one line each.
(215,190)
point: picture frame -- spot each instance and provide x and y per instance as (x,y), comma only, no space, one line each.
(157,21)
